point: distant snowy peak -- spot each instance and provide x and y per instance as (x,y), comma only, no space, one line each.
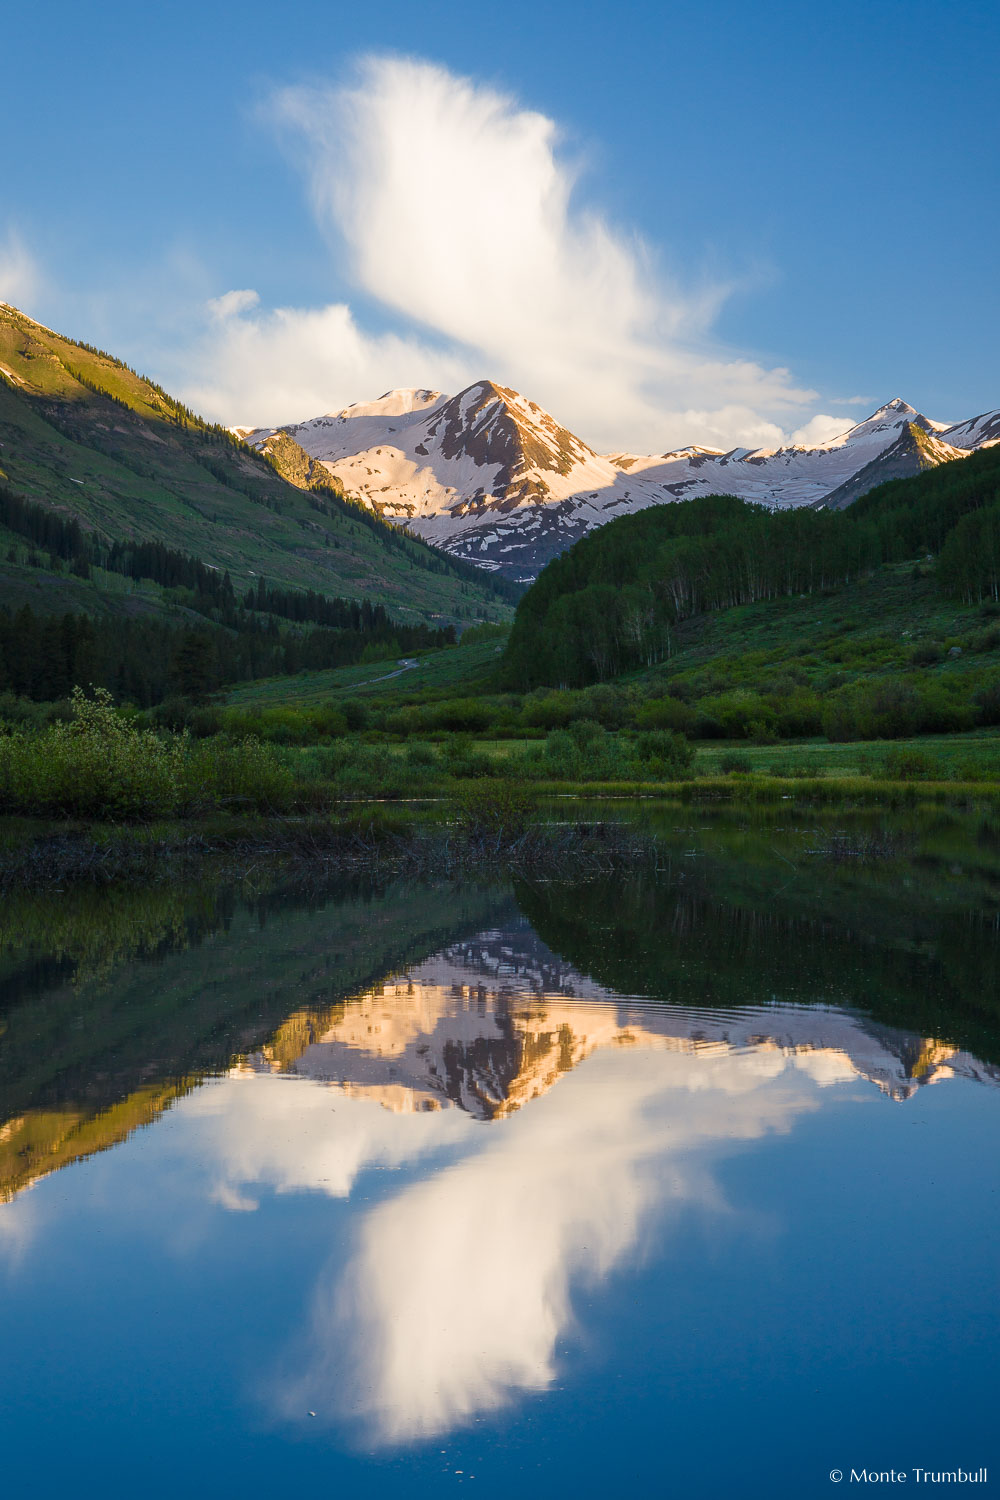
(977,432)
(882,426)
(693,450)
(392,404)
(490,476)
(797,475)
(890,415)
(915,449)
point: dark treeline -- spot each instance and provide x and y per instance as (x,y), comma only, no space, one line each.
(212,589)
(927,962)
(44,529)
(608,604)
(42,657)
(65,540)
(143,661)
(360,615)
(969,565)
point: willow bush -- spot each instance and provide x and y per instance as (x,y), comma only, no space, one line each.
(101,764)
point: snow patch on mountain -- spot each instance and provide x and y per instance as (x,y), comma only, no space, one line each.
(976,432)
(489,475)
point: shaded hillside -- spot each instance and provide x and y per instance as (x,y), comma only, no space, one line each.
(84,435)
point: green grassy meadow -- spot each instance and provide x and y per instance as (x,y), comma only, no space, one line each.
(459,671)
(890,624)
(890,621)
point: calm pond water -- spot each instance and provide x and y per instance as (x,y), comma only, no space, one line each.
(681,1182)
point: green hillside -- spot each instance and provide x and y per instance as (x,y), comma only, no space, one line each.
(84,435)
(627,596)
(469,668)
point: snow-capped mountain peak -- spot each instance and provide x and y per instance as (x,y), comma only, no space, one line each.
(897,407)
(494,425)
(450,466)
(891,417)
(395,403)
(489,475)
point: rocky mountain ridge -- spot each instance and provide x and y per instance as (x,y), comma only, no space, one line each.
(489,476)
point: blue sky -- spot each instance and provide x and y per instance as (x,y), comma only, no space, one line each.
(716,194)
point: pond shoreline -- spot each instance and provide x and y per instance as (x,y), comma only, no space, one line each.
(436,835)
(47,856)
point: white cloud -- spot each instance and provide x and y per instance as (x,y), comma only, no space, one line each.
(20,274)
(458,211)
(295,1136)
(263,368)
(231,304)
(20,1222)
(820,429)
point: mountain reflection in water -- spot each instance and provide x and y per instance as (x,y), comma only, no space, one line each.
(494,1021)
(505,1101)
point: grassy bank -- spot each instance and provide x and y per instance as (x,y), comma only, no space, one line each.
(834,791)
(103,767)
(463,670)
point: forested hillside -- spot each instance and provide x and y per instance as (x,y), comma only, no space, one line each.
(611,603)
(88,438)
(149,552)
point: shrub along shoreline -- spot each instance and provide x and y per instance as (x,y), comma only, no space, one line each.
(101,776)
(481,831)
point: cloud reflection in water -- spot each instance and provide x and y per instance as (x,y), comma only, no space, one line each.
(460,1286)
(599,1121)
